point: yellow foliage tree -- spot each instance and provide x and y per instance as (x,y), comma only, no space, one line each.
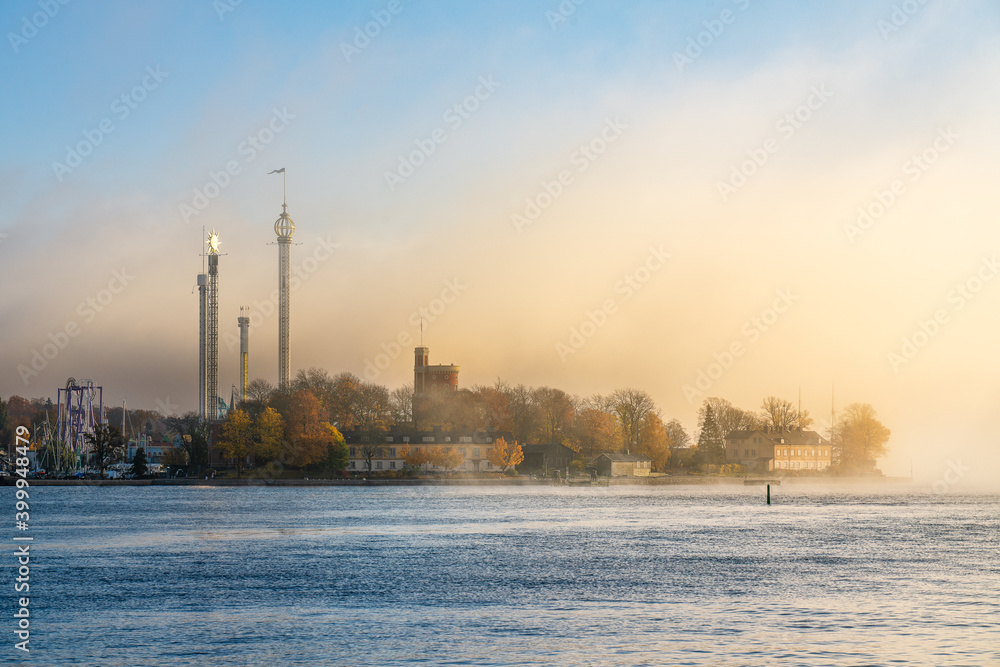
(505,456)
(414,456)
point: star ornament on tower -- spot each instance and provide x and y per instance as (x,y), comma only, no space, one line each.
(213,243)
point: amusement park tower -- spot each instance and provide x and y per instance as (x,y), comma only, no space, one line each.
(284,228)
(244,322)
(208,334)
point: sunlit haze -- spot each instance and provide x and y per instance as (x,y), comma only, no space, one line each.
(728,199)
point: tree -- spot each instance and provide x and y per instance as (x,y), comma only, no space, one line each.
(106,446)
(504,456)
(237,438)
(371,415)
(656,441)
(337,455)
(711,448)
(781,415)
(678,437)
(555,415)
(729,417)
(259,393)
(401,405)
(175,456)
(631,406)
(414,456)
(139,467)
(859,438)
(597,431)
(267,433)
(448,458)
(344,394)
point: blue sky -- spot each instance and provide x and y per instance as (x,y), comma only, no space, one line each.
(346,122)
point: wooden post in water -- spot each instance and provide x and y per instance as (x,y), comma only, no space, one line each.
(768,494)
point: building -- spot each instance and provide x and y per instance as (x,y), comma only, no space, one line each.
(613,464)
(766,450)
(545,458)
(473,448)
(432,378)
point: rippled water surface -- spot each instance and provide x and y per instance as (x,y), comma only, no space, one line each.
(495,576)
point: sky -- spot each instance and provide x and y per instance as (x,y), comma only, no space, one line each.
(722,198)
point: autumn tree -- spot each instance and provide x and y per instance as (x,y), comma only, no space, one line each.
(447,458)
(336,452)
(237,438)
(267,434)
(242,436)
(504,456)
(106,446)
(304,441)
(781,415)
(345,391)
(596,431)
(371,415)
(729,417)
(678,436)
(555,413)
(859,438)
(414,457)
(656,441)
(631,407)
(401,405)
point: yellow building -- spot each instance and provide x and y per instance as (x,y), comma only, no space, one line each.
(765,450)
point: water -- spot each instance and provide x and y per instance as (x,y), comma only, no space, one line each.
(569,576)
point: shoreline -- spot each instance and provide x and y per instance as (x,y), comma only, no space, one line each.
(679,480)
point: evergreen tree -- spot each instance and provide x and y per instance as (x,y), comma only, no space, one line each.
(711,448)
(139,467)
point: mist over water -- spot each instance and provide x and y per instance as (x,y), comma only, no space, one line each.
(547,575)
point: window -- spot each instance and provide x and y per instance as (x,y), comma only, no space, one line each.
(351,464)
(392,464)
(475,452)
(392,451)
(447,438)
(351,451)
(388,438)
(428,438)
(406,438)
(462,452)
(753,452)
(378,465)
(465,439)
